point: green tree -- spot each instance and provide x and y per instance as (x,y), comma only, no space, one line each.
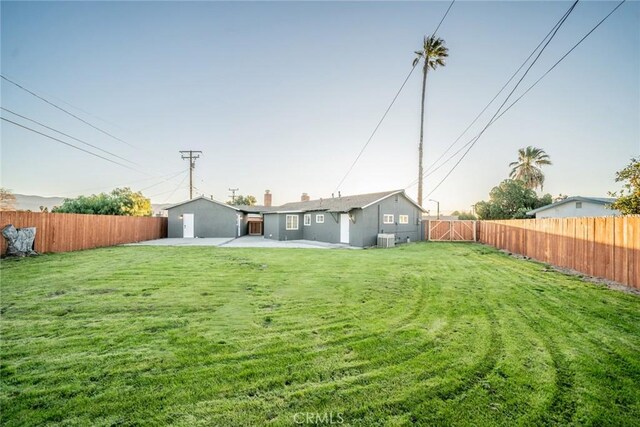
(463,215)
(510,200)
(121,201)
(528,168)
(628,199)
(7,200)
(434,53)
(243,200)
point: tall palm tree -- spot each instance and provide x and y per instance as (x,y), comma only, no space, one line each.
(528,167)
(434,53)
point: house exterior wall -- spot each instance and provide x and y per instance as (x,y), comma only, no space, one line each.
(275,227)
(370,221)
(271,226)
(363,229)
(329,231)
(210,220)
(569,209)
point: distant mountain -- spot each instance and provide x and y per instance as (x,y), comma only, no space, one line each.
(26,202)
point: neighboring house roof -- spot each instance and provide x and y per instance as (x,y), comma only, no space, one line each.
(217,202)
(596,200)
(340,204)
(256,208)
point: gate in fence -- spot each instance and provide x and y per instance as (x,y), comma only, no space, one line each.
(451,231)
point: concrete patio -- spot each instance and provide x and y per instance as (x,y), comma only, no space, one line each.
(243,242)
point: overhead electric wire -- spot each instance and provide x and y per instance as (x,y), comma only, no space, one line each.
(65,110)
(174,190)
(168,176)
(495,118)
(426,172)
(151,175)
(376,128)
(388,108)
(70,145)
(562,21)
(444,17)
(68,136)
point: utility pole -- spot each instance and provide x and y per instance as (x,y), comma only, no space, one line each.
(192,156)
(233,194)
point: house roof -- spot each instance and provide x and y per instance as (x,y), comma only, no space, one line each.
(597,200)
(203,198)
(340,204)
(257,208)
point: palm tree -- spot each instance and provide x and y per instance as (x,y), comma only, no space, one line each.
(434,53)
(528,167)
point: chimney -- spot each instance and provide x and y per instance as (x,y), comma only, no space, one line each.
(267,198)
(305,197)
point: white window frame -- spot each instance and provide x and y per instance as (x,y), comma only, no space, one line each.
(403,219)
(388,219)
(307,220)
(320,219)
(292,217)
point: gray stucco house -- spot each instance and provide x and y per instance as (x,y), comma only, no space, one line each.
(576,206)
(205,217)
(354,220)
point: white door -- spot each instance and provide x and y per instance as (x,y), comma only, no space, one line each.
(344,228)
(187,225)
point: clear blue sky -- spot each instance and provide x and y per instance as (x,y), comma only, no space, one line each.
(282,96)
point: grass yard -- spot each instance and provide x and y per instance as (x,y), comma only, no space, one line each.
(427,334)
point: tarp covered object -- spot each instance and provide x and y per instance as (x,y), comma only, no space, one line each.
(20,240)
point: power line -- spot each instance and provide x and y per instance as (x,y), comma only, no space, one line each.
(488,104)
(66,143)
(174,190)
(443,18)
(76,147)
(65,110)
(68,136)
(526,91)
(472,143)
(388,108)
(168,176)
(546,40)
(376,129)
(168,179)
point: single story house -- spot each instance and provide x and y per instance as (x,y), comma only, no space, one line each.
(207,217)
(576,206)
(354,220)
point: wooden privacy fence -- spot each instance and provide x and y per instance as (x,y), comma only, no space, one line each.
(450,230)
(607,247)
(58,232)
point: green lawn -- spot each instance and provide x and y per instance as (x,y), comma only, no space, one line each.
(431,334)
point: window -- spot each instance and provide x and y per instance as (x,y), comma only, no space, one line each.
(403,219)
(292,222)
(320,219)
(307,219)
(387,219)
(578,205)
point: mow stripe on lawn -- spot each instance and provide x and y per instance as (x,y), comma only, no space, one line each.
(427,334)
